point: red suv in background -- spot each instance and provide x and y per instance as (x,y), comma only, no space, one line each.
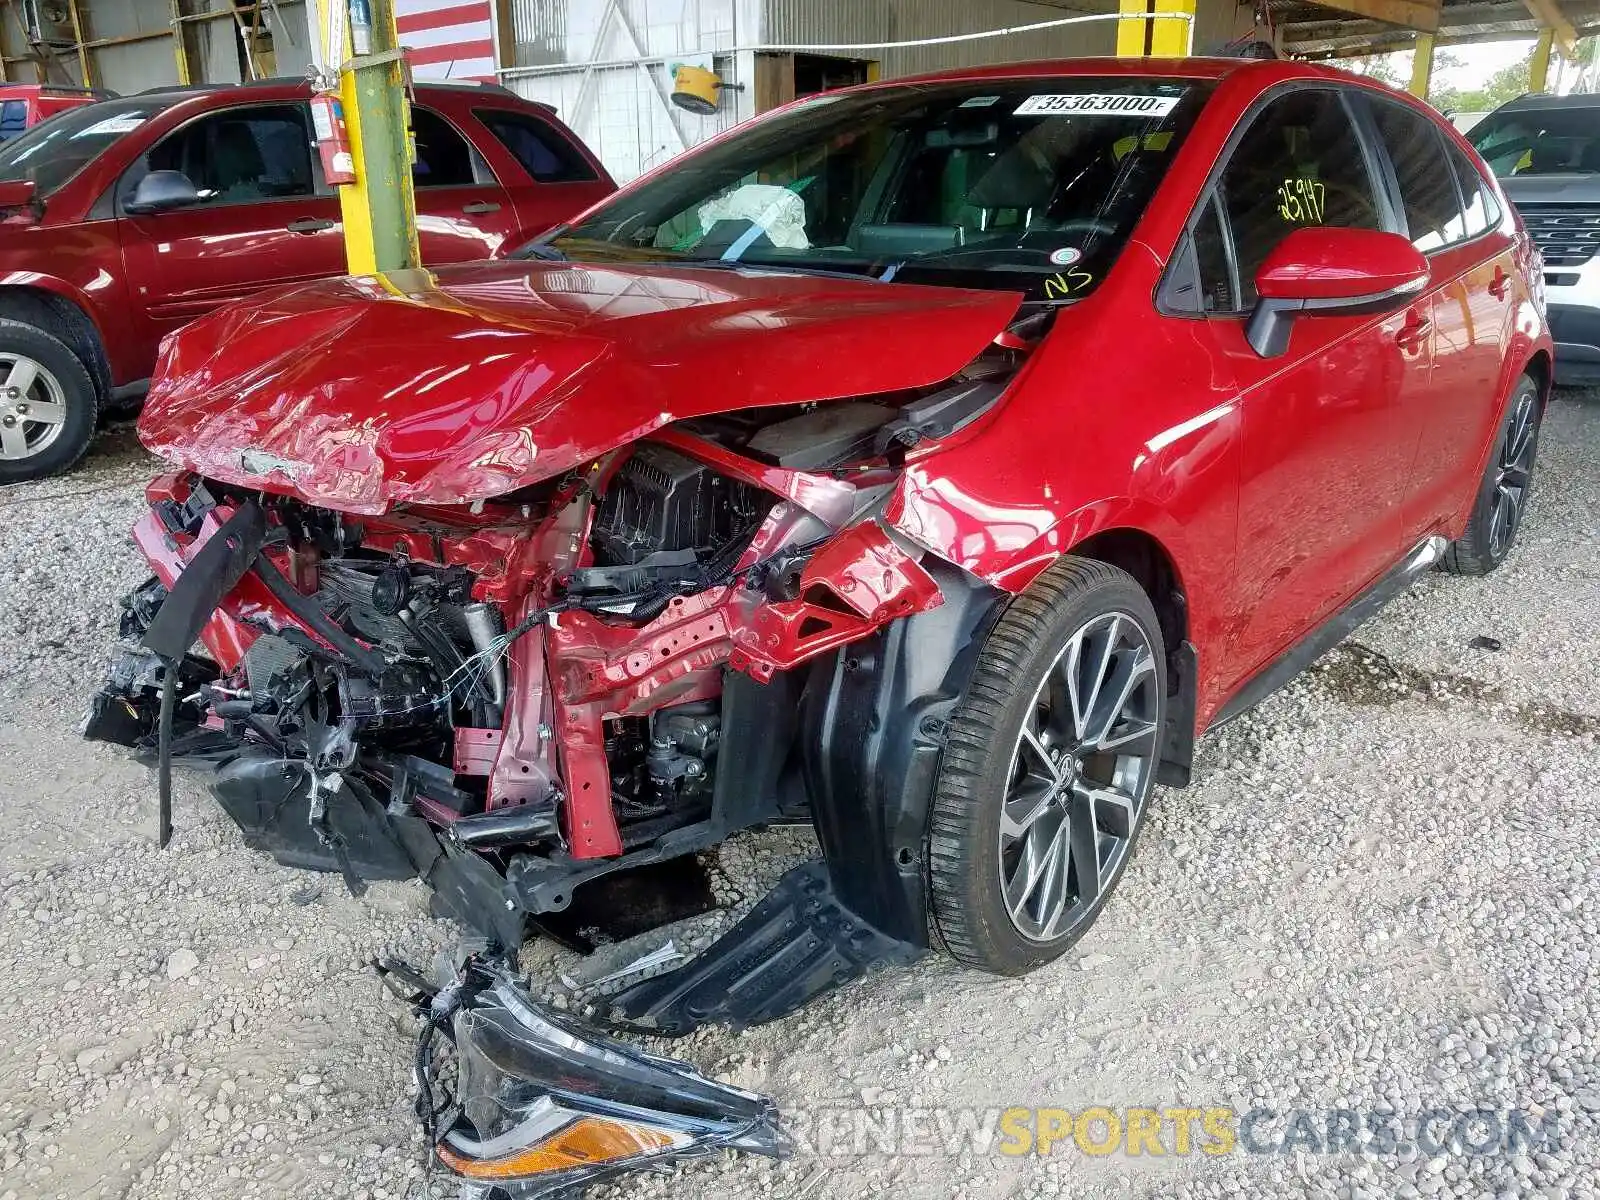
(24,105)
(125,219)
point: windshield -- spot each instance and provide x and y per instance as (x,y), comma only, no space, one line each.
(1539,141)
(53,151)
(1029,185)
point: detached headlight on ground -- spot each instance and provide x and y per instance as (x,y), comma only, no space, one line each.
(539,1104)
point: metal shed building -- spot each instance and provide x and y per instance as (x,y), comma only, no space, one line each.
(605,64)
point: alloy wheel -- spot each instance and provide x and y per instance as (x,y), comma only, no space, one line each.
(1080,775)
(33,407)
(1514,473)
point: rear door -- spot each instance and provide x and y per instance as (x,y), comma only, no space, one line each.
(266,219)
(462,211)
(1452,217)
(1323,455)
(550,177)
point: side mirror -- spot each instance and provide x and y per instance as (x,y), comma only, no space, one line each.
(1318,270)
(161,190)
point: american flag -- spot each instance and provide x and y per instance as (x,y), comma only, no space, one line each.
(447,39)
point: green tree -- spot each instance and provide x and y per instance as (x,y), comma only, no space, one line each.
(1507,83)
(1385,68)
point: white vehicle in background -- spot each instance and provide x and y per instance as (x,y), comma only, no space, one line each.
(1546,152)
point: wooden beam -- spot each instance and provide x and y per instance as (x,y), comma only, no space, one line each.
(1549,14)
(1422,66)
(1539,68)
(1421,15)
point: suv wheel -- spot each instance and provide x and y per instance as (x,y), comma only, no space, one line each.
(47,404)
(1048,768)
(1503,491)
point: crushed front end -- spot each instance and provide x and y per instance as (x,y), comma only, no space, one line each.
(692,635)
(528,697)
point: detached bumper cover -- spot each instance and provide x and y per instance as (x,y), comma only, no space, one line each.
(532,1104)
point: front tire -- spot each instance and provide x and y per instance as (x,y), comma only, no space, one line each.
(1502,495)
(47,404)
(1047,770)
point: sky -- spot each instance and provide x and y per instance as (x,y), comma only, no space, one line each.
(1479,61)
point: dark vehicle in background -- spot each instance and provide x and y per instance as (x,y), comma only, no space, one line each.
(125,219)
(1546,151)
(24,105)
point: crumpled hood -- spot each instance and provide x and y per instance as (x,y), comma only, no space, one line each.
(449,387)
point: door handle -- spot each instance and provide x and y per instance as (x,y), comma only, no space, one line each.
(1412,334)
(310,225)
(480,206)
(1500,284)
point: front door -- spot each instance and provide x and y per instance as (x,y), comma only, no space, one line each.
(1323,460)
(264,219)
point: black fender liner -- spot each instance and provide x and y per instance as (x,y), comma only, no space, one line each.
(873,726)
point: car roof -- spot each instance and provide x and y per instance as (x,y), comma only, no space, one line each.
(298,83)
(1161,68)
(1546,100)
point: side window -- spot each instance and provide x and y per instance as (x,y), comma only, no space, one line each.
(239,155)
(1432,206)
(544,152)
(1299,163)
(13,118)
(444,159)
(1482,209)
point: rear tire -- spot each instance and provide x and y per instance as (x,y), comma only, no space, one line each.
(48,404)
(1502,495)
(1047,769)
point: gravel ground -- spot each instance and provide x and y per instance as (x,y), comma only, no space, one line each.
(1379,896)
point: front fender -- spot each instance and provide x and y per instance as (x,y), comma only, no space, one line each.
(85,270)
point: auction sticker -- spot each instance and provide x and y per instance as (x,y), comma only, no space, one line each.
(1066,256)
(1097,104)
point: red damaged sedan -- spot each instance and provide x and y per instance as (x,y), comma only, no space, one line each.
(936,458)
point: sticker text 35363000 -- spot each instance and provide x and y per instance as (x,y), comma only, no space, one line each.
(1097,104)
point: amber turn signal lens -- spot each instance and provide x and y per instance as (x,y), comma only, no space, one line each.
(585,1142)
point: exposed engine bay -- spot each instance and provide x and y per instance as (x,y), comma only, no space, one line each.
(692,635)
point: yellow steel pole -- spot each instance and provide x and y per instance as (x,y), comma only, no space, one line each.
(1422,65)
(1539,70)
(1172,39)
(1133,30)
(379,209)
(180,48)
(1142,34)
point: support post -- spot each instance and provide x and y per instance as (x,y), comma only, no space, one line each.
(85,69)
(379,209)
(1539,70)
(1422,65)
(1138,36)
(180,43)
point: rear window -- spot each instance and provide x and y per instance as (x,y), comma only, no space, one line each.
(13,119)
(544,151)
(1540,141)
(53,151)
